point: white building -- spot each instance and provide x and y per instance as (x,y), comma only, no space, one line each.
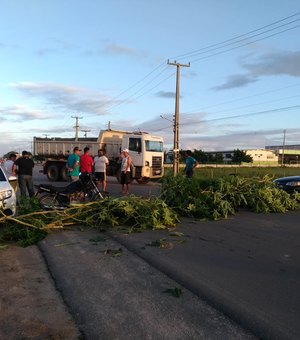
(262,156)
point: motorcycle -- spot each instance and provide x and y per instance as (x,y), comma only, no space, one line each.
(82,191)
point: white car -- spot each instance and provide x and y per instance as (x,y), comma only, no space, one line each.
(8,200)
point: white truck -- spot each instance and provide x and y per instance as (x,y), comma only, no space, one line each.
(146,152)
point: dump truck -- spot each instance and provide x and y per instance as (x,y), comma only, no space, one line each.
(146,152)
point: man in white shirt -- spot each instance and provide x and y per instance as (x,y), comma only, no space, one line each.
(100,164)
(125,171)
(9,169)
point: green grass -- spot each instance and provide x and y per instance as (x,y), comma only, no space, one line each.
(217,172)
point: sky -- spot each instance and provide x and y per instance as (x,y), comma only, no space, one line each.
(106,62)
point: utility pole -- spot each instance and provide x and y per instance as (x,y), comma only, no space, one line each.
(176,117)
(76,127)
(85,132)
(283,147)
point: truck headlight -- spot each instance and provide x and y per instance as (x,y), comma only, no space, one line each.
(5,194)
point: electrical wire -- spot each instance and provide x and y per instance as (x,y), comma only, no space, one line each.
(243,45)
(202,51)
(287,108)
(235,40)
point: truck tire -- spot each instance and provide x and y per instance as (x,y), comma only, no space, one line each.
(143,180)
(64,174)
(53,173)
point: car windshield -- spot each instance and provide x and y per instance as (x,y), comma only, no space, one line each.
(154,146)
(2,177)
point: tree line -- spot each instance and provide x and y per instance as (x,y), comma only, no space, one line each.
(238,157)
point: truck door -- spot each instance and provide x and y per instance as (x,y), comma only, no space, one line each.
(135,150)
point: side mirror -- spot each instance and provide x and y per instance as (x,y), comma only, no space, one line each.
(12,178)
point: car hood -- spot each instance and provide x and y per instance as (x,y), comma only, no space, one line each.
(5,186)
(287,179)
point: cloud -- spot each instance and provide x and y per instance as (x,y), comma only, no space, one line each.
(45,51)
(56,46)
(276,63)
(21,112)
(268,64)
(164,94)
(8,46)
(236,81)
(66,98)
(119,50)
(197,133)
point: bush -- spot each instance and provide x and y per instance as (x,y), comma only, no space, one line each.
(217,198)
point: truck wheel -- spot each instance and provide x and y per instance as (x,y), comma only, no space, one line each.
(143,180)
(64,174)
(52,173)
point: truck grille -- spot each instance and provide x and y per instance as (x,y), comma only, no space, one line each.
(156,165)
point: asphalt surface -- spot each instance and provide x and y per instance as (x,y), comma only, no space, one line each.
(247,266)
(113,187)
(240,278)
(120,296)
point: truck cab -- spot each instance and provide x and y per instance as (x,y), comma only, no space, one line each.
(147,155)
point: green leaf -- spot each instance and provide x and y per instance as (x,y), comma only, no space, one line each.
(176,292)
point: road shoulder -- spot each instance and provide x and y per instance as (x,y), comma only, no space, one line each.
(30,306)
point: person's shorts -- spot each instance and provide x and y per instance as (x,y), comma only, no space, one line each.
(100,176)
(189,173)
(125,177)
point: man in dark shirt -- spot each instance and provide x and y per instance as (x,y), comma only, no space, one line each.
(25,166)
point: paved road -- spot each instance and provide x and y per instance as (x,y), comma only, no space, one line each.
(122,297)
(113,187)
(247,267)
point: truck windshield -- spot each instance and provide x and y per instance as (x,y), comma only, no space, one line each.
(154,146)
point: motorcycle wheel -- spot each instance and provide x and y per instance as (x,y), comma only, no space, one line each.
(51,202)
(93,196)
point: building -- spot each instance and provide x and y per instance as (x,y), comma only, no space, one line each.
(263,156)
(287,154)
(259,156)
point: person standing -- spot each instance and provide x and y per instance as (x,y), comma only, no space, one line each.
(8,165)
(100,163)
(125,171)
(10,170)
(24,166)
(73,164)
(190,164)
(86,161)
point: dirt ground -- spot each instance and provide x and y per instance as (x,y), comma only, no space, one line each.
(30,306)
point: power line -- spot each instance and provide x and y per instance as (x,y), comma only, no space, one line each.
(250,105)
(287,108)
(243,98)
(250,114)
(234,39)
(204,50)
(135,93)
(243,45)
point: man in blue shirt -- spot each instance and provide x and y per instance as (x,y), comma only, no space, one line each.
(190,164)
